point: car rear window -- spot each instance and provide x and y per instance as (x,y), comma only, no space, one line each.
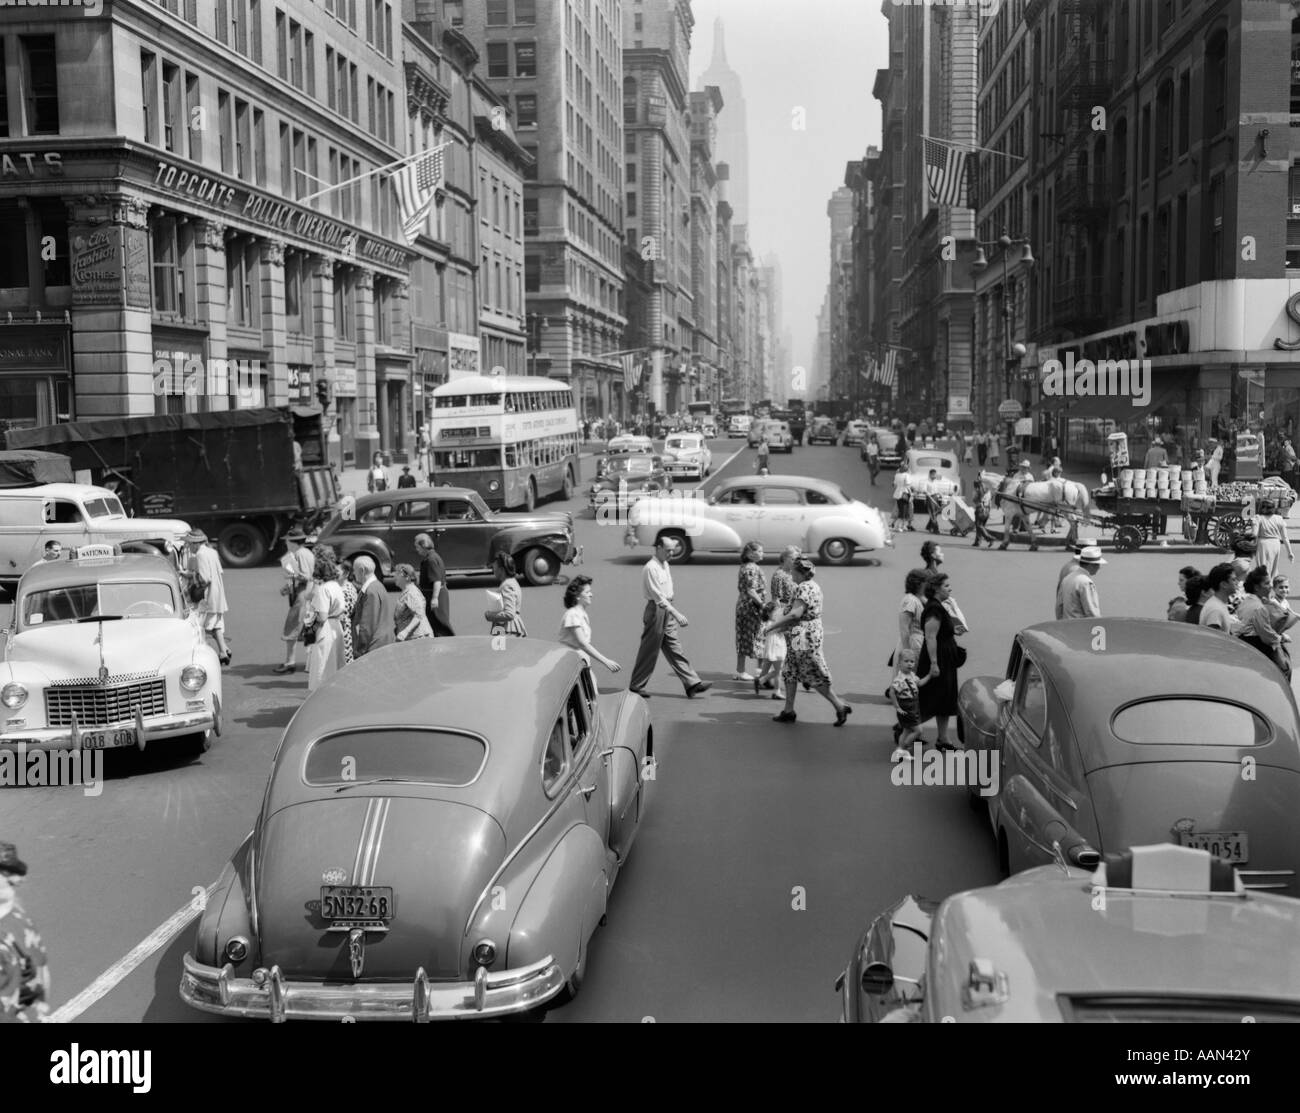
(1190,722)
(440,757)
(930,462)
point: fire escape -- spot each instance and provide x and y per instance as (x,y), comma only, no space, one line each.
(1084,81)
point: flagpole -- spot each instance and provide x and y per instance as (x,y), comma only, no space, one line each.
(371,173)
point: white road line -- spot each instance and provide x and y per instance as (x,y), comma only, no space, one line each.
(163,934)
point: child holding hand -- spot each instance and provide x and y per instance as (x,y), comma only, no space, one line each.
(773,660)
(905,694)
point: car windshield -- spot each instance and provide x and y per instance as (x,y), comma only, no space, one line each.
(426,756)
(682,442)
(1190,722)
(479,504)
(930,462)
(108,507)
(76,602)
(630,465)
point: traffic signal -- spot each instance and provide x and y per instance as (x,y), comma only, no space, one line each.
(323,393)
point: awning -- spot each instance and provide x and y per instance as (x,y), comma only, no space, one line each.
(1168,387)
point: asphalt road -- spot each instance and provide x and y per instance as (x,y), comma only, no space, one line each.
(766,847)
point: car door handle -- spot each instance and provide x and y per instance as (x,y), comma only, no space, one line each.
(585,793)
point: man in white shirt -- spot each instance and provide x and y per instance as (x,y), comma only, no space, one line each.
(659,631)
(1069,568)
(1077,595)
(1222,582)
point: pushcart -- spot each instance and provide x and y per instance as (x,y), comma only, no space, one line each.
(959,515)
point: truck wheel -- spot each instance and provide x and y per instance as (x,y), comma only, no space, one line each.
(241,545)
(541,566)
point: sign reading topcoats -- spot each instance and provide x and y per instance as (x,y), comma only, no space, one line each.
(275,214)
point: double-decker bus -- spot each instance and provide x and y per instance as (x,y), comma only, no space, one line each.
(512,438)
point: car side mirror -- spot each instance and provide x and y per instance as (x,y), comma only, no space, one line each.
(877,979)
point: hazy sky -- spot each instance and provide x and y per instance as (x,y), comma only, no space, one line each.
(822,56)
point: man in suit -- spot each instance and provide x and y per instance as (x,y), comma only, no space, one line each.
(433,586)
(372,619)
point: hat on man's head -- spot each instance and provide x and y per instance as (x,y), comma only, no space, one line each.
(295,535)
(406,467)
(1091,554)
(1085,543)
(10,862)
(196,537)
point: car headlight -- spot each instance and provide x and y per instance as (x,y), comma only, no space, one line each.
(494,485)
(13,696)
(236,950)
(485,952)
(193,677)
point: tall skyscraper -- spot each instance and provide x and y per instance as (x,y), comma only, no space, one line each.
(733,127)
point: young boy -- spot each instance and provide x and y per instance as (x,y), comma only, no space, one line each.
(905,695)
(773,657)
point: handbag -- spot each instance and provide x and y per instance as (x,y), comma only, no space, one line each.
(197,590)
(309,633)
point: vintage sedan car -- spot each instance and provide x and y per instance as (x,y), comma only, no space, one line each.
(779,437)
(738,425)
(627,480)
(919,462)
(1110,734)
(688,454)
(1156,934)
(855,432)
(823,431)
(891,447)
(466,532)
(775,510)
(100,654)
(443,825)
(627,445)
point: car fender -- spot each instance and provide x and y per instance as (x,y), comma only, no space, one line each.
(651,517)
(563,904)
(354,544)
(1028,814)
(862,534)
(224,912)
(980,710)
(628,727)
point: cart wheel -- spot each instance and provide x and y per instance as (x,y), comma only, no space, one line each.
(1224,530)
(1128,539)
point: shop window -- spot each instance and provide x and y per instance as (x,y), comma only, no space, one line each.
(294,291)
(243,291)
(171,288)
(52,221)
(13,230)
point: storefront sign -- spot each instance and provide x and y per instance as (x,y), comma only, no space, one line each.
(1169,338)
(345,381)
(1010,409)
(137,268)
(97,265)
(24,164)
(275,215)
(462,355)
(33,348)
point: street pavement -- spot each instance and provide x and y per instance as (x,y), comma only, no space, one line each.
(765,850)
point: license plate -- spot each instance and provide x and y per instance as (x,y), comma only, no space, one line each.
(356,902)
(107,739)
(1231,846)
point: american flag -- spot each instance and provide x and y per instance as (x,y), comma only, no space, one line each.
(890,367)
(945,171)
(631,371)
(415,184)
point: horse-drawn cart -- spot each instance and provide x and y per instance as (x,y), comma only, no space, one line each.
(1134,520)
(1220,517)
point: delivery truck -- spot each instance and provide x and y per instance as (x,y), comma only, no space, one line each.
(244,477)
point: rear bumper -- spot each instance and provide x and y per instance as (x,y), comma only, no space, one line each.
(269,996)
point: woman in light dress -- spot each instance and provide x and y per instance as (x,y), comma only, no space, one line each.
(410,620)
(508,618)
(1271,539)
(323,613)
(575,627)
(910,634)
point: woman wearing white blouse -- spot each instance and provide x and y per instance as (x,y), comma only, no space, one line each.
(322,613)
(575,628)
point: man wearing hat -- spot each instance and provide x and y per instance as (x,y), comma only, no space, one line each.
(1070,567)
(406,479)
(1156,457)
(298,563)
(24,970)
(1077,595)
(210,608)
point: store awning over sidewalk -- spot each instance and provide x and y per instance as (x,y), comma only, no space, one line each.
(1121,409)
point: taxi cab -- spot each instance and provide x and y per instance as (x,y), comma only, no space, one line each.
(101,654)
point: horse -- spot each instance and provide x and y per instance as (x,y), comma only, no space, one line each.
(1033,498)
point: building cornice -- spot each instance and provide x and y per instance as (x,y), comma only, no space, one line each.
(459,49)
(425,94)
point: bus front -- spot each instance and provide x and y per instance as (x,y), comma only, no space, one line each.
(467,449)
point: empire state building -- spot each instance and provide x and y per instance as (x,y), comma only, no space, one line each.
(733,140)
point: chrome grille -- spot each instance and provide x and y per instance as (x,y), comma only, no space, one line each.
(99,706)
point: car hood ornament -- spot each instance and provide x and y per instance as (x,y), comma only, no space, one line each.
(357,951)
(334,876)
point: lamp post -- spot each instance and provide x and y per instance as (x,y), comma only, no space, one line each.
(1012,353)
(537,324)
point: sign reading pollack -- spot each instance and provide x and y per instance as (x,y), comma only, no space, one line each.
(1113,378)
(90,7)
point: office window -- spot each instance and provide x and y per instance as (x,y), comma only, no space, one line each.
(454,12)
(171,106)
(355,86)
(525,59)
(149,95)
(530,214)
(344,305)
(1165,124)
(309,50)
(525,12)
(630,208)
(295,54)
(1144,255)
(259,147)
(299,164)
(313,171)
(370,21)
(630,176)
(1180,241)
(255,30)
(281,46)
(168,242)
(343,86)
(498,59)
(243,139)
(370,103)
(1184,111)
(1145,142)
(225,130)
(223,22)
(1216,85)
(243,287)
(286,162)
(331,98)
(239,25)
(497,13)
(193,118)
(526,110)
(333,195)
(388,30)
(1213,268)
(52,221)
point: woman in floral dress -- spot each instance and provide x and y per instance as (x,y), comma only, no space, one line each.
(751,596)
(350,597)
(782,579)
(805,663)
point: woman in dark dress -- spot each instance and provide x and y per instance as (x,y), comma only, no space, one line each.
(941,655)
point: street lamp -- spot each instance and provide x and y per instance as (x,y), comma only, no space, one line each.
(537,325)
(1012,353)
